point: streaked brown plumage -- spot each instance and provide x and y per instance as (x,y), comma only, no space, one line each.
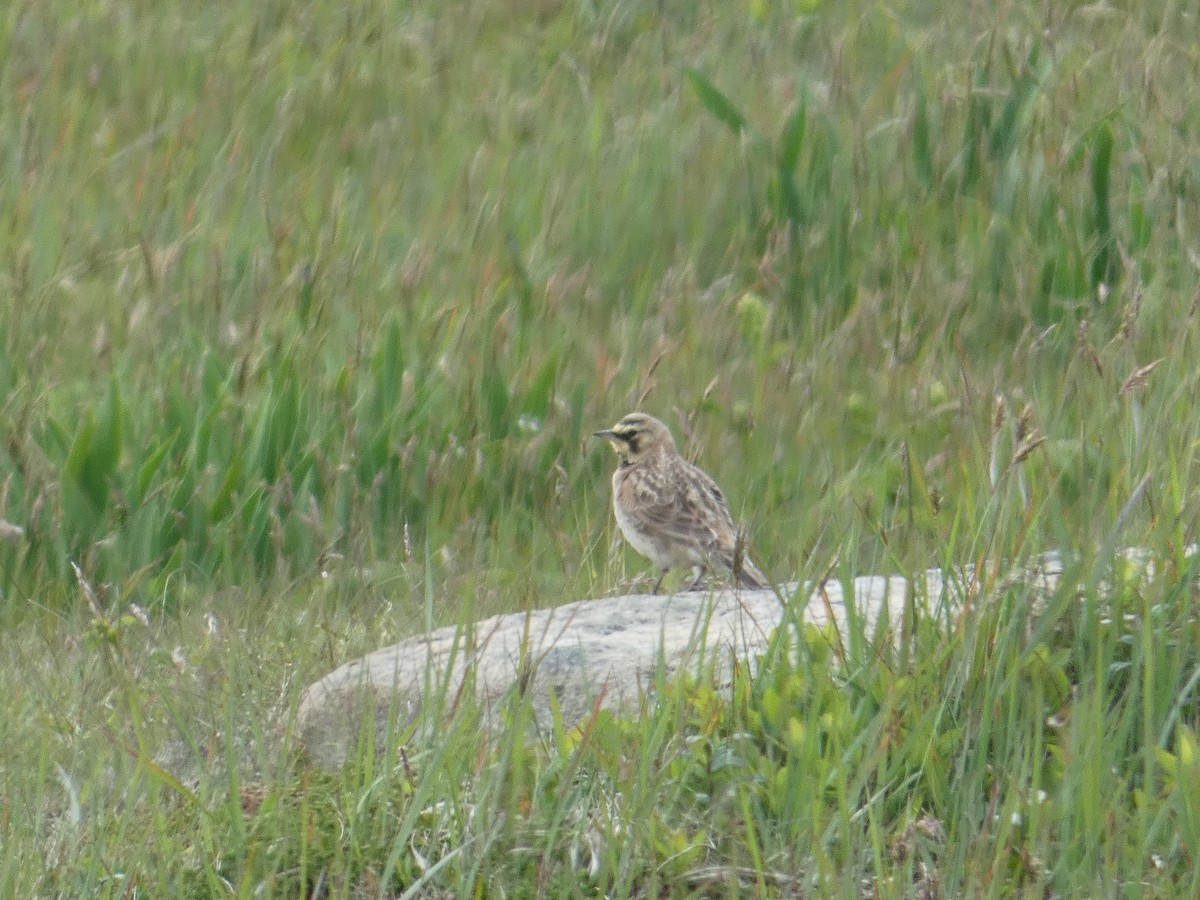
(668,509)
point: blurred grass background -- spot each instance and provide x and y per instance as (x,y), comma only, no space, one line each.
(310,308)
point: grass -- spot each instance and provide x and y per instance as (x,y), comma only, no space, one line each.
(309,310)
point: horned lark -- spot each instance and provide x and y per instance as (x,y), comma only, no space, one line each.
(668,509)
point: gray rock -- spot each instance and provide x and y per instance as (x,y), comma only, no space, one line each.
(606,651)
(610,652)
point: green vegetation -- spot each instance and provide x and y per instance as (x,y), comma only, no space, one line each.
(308,310)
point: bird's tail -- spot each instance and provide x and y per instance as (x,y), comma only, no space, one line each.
(750,576)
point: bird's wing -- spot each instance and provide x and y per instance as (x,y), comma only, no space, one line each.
(704,496)
(688,510)
(722,545)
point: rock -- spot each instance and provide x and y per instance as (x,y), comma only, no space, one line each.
(609,651)
(606,650)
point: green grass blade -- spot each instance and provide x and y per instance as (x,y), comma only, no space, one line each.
(716,102)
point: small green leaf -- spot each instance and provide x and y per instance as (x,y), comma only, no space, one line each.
(1169,762)
(785,197)
(1104,261)
(103,453)
(389,372)
(1186,747)
(1101,174)
(540,394)
(81,448)
(222,501)
(716,102)
(791,142)
(203,430)
(772,708)
(1141,225)
(150,468)
(53,439)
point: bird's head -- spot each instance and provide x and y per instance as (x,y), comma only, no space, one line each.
(637,436)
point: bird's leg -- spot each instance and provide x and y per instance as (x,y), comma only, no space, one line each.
(698,573)
(658,583)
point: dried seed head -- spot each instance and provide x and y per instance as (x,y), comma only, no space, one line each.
(89,592)
(1023,421)
(1132,311)
(1138,378)
(1087,347)
(1026,447)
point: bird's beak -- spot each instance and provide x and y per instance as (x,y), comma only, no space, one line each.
(619,444)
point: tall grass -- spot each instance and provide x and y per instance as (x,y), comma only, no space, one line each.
(308,311)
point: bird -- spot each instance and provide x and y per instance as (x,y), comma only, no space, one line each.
(671,511)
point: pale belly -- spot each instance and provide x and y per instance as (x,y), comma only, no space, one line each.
(665,554)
